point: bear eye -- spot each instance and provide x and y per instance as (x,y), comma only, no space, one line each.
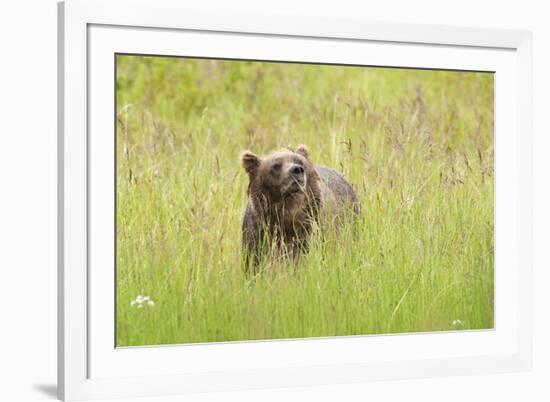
(276,167)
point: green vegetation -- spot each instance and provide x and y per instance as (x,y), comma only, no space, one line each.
(417,146)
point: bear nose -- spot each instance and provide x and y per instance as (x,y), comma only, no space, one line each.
(297,169)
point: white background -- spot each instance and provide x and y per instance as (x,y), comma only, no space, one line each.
(28,199)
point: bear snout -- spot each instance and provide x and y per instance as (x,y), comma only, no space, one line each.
(296,170)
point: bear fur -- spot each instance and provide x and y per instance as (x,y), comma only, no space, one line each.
(287,195)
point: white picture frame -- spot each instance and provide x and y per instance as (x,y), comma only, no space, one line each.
(90,32)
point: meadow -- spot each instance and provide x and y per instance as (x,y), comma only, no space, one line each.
(417,145)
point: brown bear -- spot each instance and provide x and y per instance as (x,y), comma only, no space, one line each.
(287,194)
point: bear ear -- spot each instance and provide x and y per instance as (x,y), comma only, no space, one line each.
(249,161)
(303,150)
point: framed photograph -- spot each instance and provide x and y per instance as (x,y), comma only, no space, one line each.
(254,201)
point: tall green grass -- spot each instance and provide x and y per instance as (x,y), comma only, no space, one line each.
(417,146)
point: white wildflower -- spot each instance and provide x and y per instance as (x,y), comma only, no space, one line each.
(458,323)
(142,301)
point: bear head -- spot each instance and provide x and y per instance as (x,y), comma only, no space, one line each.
(282,179)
